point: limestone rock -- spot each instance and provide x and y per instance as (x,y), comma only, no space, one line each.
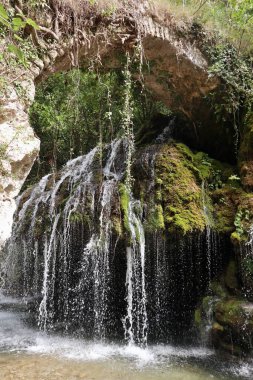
(18,149)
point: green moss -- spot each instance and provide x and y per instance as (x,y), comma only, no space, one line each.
(218,289)
(229,312)
(235,238)
(233,210)
(206,303)
(197,317)
(178,194)
(117,225)
(177,189)
(231,275)
(180,173)
(124,202)
(79,217)
(155,219)
(224,210)
(217,327)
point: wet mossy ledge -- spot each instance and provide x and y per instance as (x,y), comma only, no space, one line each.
(224,316)
(181,191)
(225,320)
(190,191)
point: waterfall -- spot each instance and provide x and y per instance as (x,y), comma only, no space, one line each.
(95,259)
(89,271)
(135,321)
(208,231)
(48,250)
(250,239)
(212,238)
(167,133)
(44,234)
(246,264)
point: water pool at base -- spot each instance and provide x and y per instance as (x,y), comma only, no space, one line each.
(28,354)
(31,367)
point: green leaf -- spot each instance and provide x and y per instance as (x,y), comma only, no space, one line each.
(16,51)
(32,23)
(18,24)
(3,13)
(4,22)
(16,36)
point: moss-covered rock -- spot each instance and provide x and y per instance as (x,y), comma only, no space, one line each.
(177,189)
(155,220)
(226,322)
(230,313)
(124,202)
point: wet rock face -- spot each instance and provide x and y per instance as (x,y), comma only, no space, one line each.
(230,324)
(225,315)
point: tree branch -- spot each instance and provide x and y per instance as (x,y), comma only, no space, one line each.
(41,28)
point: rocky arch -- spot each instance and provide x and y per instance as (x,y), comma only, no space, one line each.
(71,36)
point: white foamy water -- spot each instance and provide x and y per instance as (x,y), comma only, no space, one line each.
(16,338)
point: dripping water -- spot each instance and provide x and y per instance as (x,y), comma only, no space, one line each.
(135,321)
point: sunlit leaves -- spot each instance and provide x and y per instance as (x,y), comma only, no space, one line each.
(241,12)
(17,52)
(32,23)
(15,25)
(4,18)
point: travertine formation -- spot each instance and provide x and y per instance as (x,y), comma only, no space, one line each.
(70,36)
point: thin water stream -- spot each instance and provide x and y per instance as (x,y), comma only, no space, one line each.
(29,354)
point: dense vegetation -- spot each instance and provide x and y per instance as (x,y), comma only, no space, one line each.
(233,19)
(75,111)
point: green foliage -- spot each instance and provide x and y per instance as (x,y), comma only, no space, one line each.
(72,112)
(75,111)
(4,17)
(127,122)
(233,19)
(236,74)
(37,3)
(241,216)
(13,28)
(241,15)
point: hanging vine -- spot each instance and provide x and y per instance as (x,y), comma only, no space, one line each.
(127,122)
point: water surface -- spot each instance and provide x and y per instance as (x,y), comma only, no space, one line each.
(26,353)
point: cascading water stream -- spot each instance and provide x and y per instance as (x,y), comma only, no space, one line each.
(250,241)
(92,192)
(212,239)
(48,250)
(246,260)
(93,273)
(135,321)
(208,231)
